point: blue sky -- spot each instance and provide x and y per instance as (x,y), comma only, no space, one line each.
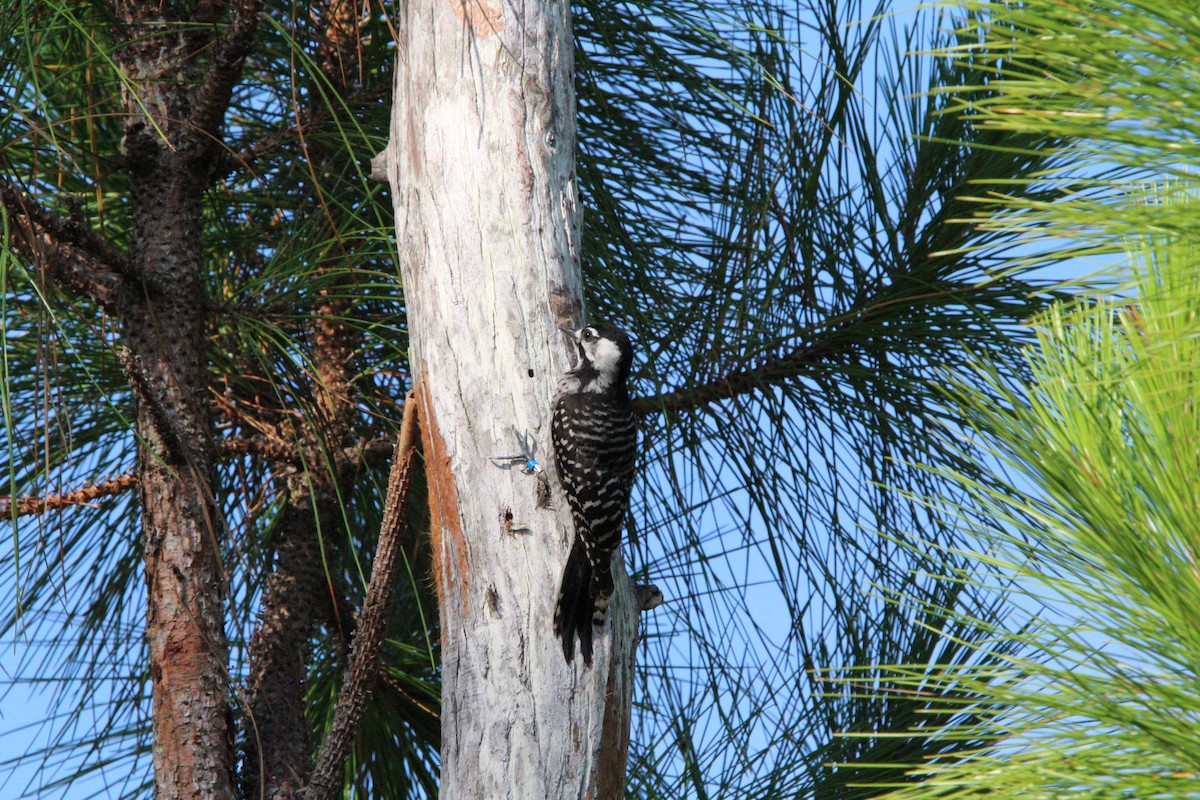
(28,718)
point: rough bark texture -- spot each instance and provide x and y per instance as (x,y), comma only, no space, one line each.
(362,673)
(277,746)
(164,335)
(174,104)
(481,163)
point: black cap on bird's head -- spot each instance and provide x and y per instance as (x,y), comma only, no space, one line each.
(604,353)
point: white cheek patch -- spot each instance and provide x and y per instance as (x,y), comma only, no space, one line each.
(606,359)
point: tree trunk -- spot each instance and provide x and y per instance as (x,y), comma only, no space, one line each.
(164,335)
(173,113)
(481,164)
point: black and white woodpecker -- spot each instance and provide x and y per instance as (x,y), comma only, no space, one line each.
(595,449)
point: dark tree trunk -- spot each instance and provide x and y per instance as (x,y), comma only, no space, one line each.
(164,334)
(174,104)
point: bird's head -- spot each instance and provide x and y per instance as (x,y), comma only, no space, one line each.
(604,355)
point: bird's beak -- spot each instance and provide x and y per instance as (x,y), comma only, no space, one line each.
(576,348)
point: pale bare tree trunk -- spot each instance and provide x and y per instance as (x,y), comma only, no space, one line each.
(481,164)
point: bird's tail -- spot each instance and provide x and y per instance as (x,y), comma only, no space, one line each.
(574,612)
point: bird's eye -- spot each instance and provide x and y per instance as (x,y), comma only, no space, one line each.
(588,334)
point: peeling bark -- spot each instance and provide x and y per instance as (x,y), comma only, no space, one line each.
(481,164)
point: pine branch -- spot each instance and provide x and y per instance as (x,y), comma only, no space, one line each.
(73,255)
(372,622)
(734,384)
(362,453)
(307,119)
(835,343)
(25,506)
(277,741)
(367,451)
(211,100)
(260,446)
(773,371)
(301,590)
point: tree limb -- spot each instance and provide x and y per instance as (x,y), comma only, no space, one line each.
(24,506)
(72,254)
(261,446)
(372,621)
(738,382)
(367,451)
(277,741)
(303,589)
(826,348)
(211,99)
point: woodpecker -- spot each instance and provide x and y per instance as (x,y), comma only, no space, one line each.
(595,449)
